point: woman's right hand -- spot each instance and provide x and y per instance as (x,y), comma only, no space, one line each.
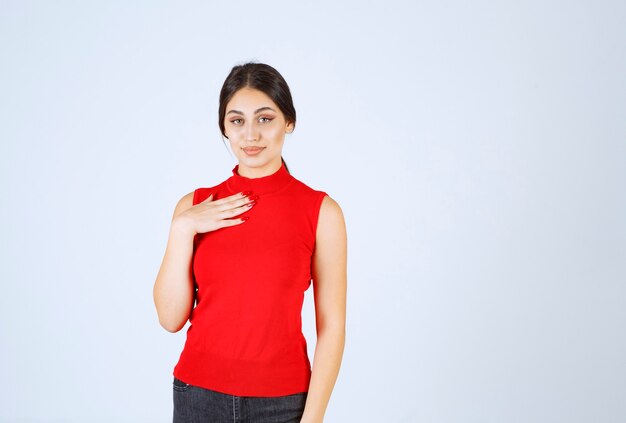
(210,215)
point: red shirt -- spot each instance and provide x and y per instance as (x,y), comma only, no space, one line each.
(245,336)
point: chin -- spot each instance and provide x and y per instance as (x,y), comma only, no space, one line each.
(253,161)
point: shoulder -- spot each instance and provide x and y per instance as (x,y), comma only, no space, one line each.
(185,202)
(197,196)
(194,197)
(302,189)
(331,221)
(330,209)
(326,205)
(331,237)
(202,193)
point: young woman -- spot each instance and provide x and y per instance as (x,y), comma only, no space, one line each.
(245,251)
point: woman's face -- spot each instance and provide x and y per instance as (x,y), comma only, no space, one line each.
(256,129)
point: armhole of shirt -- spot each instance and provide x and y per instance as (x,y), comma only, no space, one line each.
(316,213)
(195,197)
(193,203)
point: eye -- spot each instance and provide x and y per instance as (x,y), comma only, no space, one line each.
(267,119)
(234,120)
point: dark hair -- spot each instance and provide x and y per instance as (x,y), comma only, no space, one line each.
(263,78)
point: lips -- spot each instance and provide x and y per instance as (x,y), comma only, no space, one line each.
(253,151)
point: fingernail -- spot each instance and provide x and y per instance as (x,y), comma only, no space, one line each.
(245,218)
(254,197)
(246,193)
(251,204)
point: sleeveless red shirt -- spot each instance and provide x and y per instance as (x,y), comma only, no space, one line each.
(245,336)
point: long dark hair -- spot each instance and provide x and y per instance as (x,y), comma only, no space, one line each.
(264,78)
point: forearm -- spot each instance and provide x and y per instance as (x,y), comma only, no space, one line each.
(326,363)
(173,289)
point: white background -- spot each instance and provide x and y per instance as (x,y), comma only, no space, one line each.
(477,149)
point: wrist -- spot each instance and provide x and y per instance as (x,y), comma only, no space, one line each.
(181,227)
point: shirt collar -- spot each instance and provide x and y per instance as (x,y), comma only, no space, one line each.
(261,185)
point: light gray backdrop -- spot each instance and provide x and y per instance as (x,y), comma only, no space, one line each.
(478,150)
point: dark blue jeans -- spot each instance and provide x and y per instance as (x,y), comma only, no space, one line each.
(193,404)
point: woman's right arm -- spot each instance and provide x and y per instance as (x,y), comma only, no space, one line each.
(174,288)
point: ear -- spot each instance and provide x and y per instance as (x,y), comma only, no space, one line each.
(289,127)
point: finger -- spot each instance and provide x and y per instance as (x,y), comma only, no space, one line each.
(231,222)
(208,199)
(230,198)
(231,212)
(241,202)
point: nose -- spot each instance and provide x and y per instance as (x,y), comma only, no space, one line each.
(251,133)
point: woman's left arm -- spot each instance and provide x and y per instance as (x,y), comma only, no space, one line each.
(329,274)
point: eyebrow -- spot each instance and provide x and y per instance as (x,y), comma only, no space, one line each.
(255,112)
